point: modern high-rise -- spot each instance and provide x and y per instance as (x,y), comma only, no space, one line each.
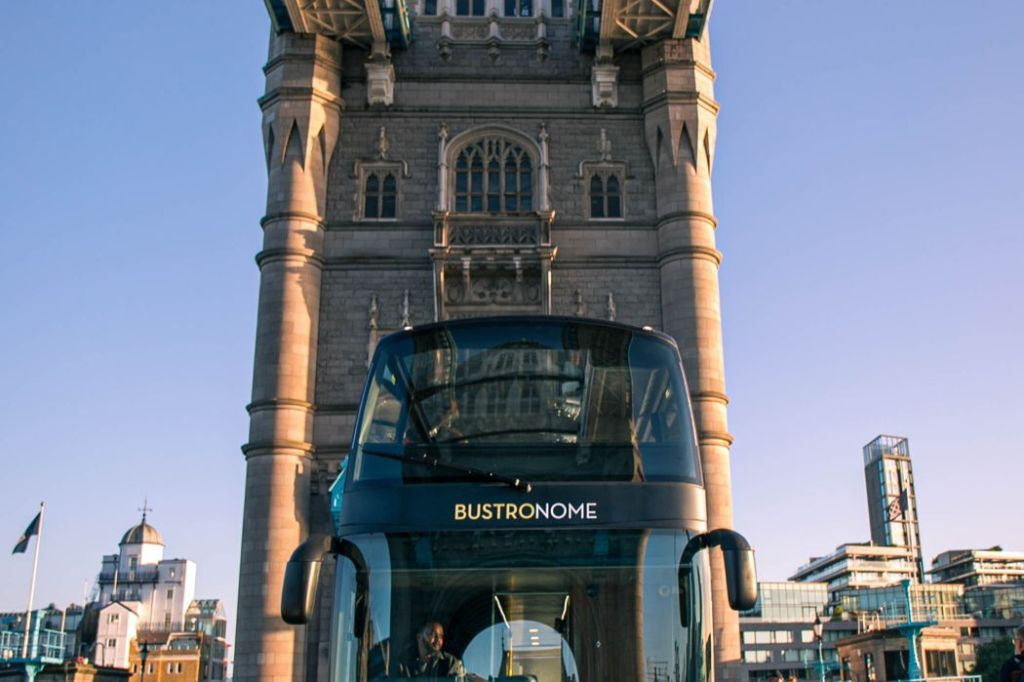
(437,159)
(892,502)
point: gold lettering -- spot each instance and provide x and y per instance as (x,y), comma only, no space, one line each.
(487,512)
(460,512)
(527,511)
(510,511)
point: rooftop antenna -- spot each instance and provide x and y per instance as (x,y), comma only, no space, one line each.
(145,508)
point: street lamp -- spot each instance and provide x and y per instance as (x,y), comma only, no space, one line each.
(143,655)
(819,630)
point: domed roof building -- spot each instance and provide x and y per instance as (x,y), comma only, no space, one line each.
(141,534)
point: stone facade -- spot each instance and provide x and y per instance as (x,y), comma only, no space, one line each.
(336,275)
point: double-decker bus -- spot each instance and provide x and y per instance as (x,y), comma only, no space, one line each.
(522,502)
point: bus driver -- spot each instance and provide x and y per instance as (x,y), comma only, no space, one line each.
(431,660)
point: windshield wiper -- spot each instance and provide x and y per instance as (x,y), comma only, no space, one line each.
(478,474)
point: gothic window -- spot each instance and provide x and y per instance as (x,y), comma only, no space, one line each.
(470,8)
(605,196)
(518,8)
(380,195)
(430,7)
(558,8)
(493,175)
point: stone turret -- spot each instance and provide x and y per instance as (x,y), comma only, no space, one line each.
(679,128)
(301,116)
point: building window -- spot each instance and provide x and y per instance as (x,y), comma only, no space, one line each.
(113,617)
(470,8)
(150,669)
(111,643)
(167,620)
(179,667)
(605,196)
(493,175)
(170,667)
(518,8)
(170,593)
(172,572)
(380,196)
(558,8)
(430,7)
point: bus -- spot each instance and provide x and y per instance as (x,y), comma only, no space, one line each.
(522,502)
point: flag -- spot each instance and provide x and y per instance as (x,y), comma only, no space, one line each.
(33,529)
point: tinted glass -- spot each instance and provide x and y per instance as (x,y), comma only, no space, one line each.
(546,401)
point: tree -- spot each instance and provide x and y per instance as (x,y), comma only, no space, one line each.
(989,658)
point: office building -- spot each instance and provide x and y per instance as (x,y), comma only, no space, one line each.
(777,635)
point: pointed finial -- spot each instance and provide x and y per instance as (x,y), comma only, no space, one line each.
(382,143)
(374,312)
(406,314)
(604,146)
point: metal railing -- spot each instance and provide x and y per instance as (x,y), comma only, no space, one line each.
(45,644)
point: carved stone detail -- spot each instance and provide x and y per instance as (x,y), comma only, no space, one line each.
(380,82)
(488,265)
(474,31)
(604,81)
(494,235)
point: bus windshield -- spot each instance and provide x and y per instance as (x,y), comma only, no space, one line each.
(544,400)
(521,606)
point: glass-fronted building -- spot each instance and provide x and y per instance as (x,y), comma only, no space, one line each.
(777,635)
(1004,601)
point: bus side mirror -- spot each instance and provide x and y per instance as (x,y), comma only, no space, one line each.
(740,570)
(301,577)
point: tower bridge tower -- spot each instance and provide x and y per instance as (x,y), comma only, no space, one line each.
(447,158)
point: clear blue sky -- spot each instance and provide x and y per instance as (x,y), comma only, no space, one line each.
(868,186)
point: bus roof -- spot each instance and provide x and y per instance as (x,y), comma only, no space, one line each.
(511,320)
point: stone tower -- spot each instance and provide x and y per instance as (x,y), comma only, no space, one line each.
(449,158)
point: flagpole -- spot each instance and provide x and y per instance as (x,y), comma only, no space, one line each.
(32,588)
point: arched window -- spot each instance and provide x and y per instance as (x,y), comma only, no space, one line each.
(380,195)
(605,196)
(493,175)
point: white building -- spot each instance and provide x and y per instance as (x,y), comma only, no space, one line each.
(854,565)
(140,592)
(972,567)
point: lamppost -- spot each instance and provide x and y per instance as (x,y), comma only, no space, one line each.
(143,655)
(819,630)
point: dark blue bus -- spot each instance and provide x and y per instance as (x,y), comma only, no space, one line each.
(523,502)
